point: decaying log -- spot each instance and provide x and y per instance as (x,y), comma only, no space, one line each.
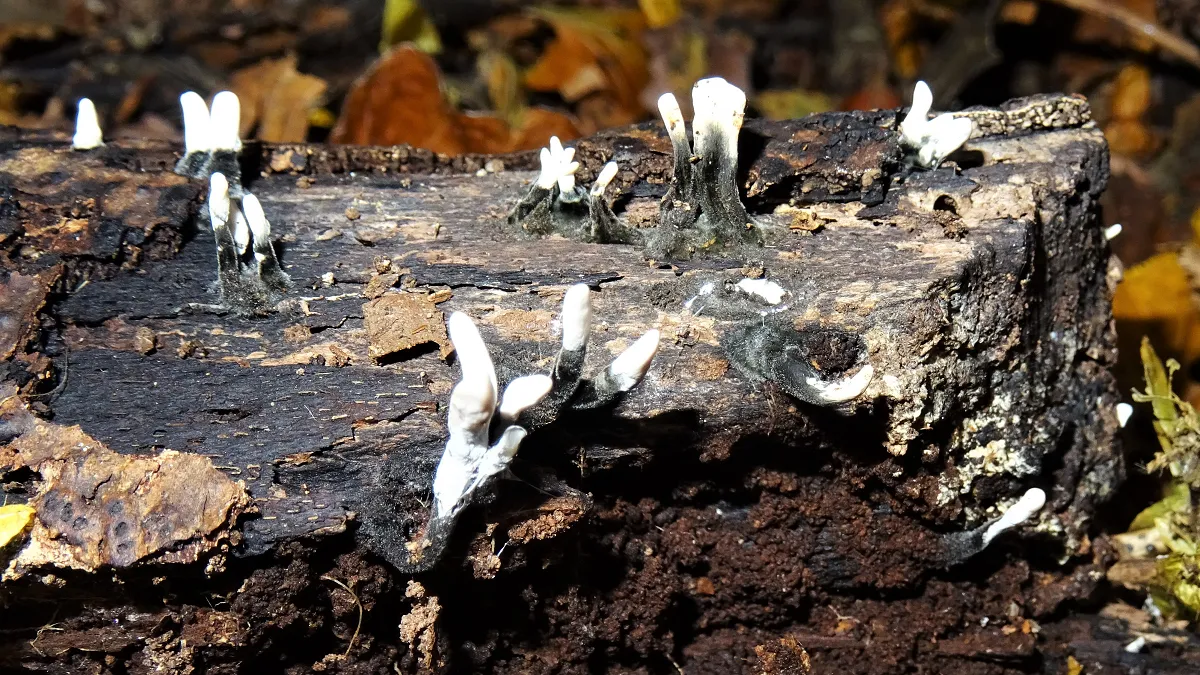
(716,519)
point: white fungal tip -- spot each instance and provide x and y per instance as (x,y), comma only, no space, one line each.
(1112,231)
(631,365)
(1124,412)
(719,109)
(473,355)
(576,317)
(913,128)
(846,389)
(1137,645)
(472,402)
(944,134)
(87,127)
(566,178)
(259,227)
(241,231)
(767,291)
(604,178)
(549,173)
(523,393)
(922,101)
(506,448)
(935,139)
(224,120)
(557,167)
(672,116)
(218,200)
(719,96)
(197,127)
(1024,509)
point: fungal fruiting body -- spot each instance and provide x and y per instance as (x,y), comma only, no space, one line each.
(1124,412)
(763,289)
(210,139)
(843,390)
(87,127)
(483,432)
(248,272)
(1025,508)
(702,210)
(471,455)
(250,277)
(930,141)
(555,204)
(770,348)
(960,546)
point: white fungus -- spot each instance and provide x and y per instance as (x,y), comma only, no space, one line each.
(763,289)
(87,127)
(1124,412)
(847,389)
(1024,509)
(932,140)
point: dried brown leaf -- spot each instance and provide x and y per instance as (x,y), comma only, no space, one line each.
(278,99)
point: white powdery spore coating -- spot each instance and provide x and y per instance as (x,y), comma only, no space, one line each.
(576,317)
(259,227)
(848,389)
(763,289)
(719,110)
(913,128)
(241,231)
(197,126)
(631,365)
(224,121)
(935,139)
(218,200)
(87,127)
(473,356)
(557,167)
(1124,412)
(668,107)
(523,393)
(945,134)
(604,178)
(1024,509)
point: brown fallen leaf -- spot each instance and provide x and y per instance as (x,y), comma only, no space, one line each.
(278,99)
(1127,134)
(399,101)
(594,52)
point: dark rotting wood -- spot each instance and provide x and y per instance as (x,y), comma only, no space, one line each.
(713,513)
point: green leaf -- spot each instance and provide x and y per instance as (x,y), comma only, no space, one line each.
(406,21)
(1177,499)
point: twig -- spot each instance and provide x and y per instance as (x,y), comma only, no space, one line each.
(344,587)
(1165,39)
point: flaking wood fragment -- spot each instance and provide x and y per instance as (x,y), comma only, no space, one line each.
(399,322)
(97,508)
(21,296)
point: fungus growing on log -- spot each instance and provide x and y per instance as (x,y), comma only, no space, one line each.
(702,211)
(931,140)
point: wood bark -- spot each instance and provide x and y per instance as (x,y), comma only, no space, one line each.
(711,521)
